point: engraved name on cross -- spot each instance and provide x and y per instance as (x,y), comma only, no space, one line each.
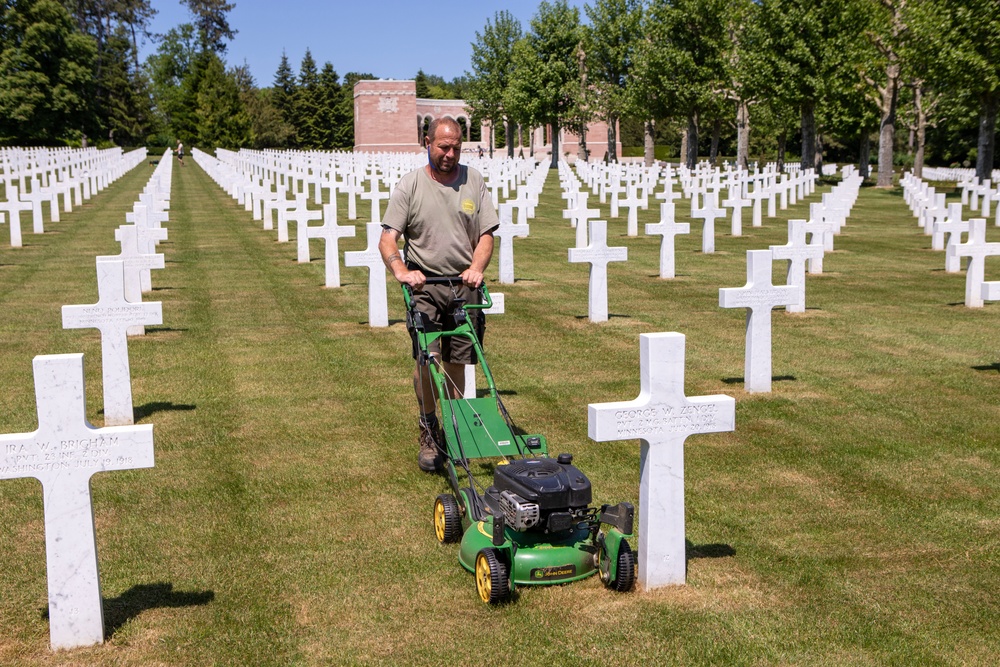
(63,454)
(662,417)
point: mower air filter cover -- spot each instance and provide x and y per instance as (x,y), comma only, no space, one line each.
(550,484)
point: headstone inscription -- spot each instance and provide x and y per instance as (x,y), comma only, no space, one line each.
(662,417)
(113,315)
(63,454)
(759,296)
(370,258)
(598,254)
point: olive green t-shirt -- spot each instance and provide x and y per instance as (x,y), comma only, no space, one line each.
(441,223)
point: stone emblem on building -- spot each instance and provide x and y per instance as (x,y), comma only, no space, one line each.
(387,104)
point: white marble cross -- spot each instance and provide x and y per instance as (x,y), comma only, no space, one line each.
(797,251)
(63,454)
(736,202)
(598,254)
(378,306)
(375,196)
(759,296)
(662,417)
(331,233)
(113,315)
(977,250)
(470,369)
(302,216)
(135,263)
(13,206)
(668,229)
(633,201)
(709,212)
(951,229)
(506,233)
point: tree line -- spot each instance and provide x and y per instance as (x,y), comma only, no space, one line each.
(918,79)
(911,80)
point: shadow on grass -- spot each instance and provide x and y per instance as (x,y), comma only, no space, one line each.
(610,315)
(708,550)
(774,378)
(145,410)
(988,367)
(163,329)
(120,610)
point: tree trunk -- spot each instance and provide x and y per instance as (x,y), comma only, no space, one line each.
(808,110)
(684,147)
(743,135)
(713,151)
(782,145)
(987,135)
(613,139)
(818,156)
(865,153)
(649,142)
(921,131)
(691,159)
(555,145)
(508,134)
(887,128)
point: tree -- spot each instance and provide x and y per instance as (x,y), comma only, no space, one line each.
(611,44)
(799,49)
(167,70)
(211,22)
(283,95)
(306,109)
(882,70)
(547,69)
(266,129)
(332,120)
(423,91)
(492,71)
(967,38)
(46,75)
(682,59)
(221,118)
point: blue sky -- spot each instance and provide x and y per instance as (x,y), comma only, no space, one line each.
(391,39)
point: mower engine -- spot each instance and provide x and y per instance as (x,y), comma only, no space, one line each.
(539,494)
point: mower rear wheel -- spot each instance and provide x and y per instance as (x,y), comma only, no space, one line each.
(447,519)
(492,577)
(625,574)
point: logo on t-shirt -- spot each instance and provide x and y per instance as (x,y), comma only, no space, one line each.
(468,206)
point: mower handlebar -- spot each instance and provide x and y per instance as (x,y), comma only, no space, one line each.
(487,300)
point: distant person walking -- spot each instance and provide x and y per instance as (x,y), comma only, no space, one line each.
(180,153)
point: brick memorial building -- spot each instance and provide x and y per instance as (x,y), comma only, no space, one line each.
(389,117)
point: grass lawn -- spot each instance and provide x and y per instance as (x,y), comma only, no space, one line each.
(851,518)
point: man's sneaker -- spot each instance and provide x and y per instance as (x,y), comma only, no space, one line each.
(429,458)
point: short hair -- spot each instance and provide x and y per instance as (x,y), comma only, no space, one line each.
(437,122)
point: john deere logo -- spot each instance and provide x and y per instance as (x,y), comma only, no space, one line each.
(468,206)
(556,572)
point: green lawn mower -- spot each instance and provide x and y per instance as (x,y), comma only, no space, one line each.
(523,518)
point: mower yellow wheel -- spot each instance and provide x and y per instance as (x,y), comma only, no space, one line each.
(492,577)
(447,519)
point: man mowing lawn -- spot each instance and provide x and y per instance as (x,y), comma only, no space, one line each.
(444,212)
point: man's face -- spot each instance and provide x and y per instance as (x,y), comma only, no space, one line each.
(445,149)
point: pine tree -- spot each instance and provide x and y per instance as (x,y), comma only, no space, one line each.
(283,95)
(306,109)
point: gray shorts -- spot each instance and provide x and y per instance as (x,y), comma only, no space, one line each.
(437,303)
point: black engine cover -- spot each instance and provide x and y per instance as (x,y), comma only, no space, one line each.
(552,485)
